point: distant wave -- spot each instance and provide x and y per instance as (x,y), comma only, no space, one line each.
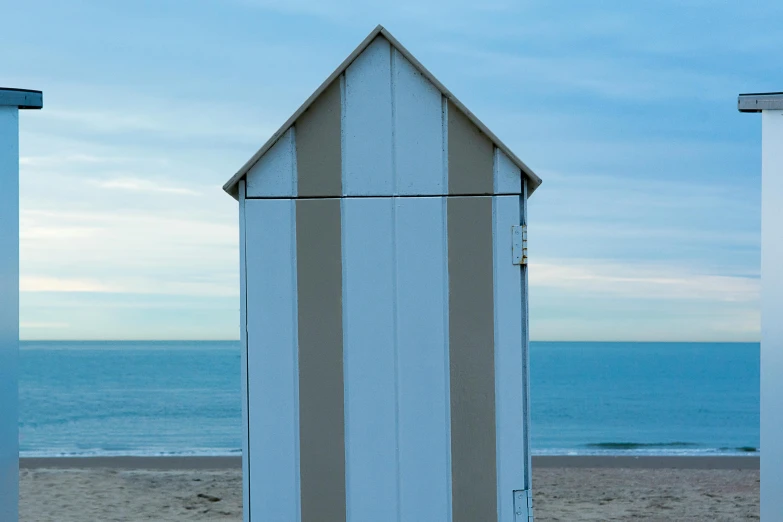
(658,449)
(640,445)
(134,453)
(743,449)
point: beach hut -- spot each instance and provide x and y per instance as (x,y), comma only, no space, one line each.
(770,105)
(11,100)
(384,306)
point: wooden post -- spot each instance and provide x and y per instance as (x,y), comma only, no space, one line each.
(771,108)
(11,101)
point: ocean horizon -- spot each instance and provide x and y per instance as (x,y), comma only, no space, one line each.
(182,398)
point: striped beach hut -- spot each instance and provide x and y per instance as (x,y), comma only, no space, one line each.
(384,306)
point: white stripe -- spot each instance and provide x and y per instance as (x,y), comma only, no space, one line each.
(526,348)
(445,143)
(508,177)
(271,362)
(367,123)
(369,361)
(422,306)
(274,175)
(510,406)
(243,343)
(418,132)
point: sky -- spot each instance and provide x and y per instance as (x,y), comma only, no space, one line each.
(646,228)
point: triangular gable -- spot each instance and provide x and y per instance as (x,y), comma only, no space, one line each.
(331,83)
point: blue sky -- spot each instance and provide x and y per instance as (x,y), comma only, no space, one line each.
(646,227)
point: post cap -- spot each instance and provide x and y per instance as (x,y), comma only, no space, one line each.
(22,98)
(763,101)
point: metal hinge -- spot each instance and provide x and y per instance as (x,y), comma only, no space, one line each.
(523,505)
(519,244)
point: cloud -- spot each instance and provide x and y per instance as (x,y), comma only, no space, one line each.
(175,120)
(128,252)
(610,278)
(67,159)
(149,285)
(143,185)
(40,325)
(353,11)
(55,284)
(605,76)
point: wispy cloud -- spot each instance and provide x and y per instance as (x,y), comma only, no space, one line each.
(602,277)
(128,285)
(143,185)
(40,325)
(602,76)
(178,122)
(68,159)
(55,284)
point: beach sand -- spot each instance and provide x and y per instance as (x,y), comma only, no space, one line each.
(565,489)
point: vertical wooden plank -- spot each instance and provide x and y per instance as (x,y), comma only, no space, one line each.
(271,359)
(418,131)
(9,312)
(243,345)
(471,153)
(472,359)
(510,406)
(321,399)
(422,348)
(318,146)
(771,310)
(444,116)
(370,360)
(367,123)
(508,177)
(274,175)
(526,350)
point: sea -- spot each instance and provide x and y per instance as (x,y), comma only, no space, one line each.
(587,398)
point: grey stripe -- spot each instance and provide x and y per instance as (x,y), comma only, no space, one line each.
(321,401)
(472,359)
(318,146)
(471,159)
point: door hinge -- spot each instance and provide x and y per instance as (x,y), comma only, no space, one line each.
(523,505)
(519,244)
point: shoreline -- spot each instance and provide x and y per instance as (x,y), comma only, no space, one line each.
(173,463)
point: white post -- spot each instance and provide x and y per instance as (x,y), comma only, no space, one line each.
(772,315)
(771,108)
(11,101)
(9,311)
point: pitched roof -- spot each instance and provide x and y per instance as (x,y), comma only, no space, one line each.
(231,185)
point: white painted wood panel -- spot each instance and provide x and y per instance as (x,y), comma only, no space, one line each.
(509,363)
(526,346)
(367,123)
(9,312)
(508,177)
(275,173)
(272,360)
(423,359)
(243,347)
(418,131)
(771,312)
(369,360)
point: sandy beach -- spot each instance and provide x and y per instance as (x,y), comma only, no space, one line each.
(566,489)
